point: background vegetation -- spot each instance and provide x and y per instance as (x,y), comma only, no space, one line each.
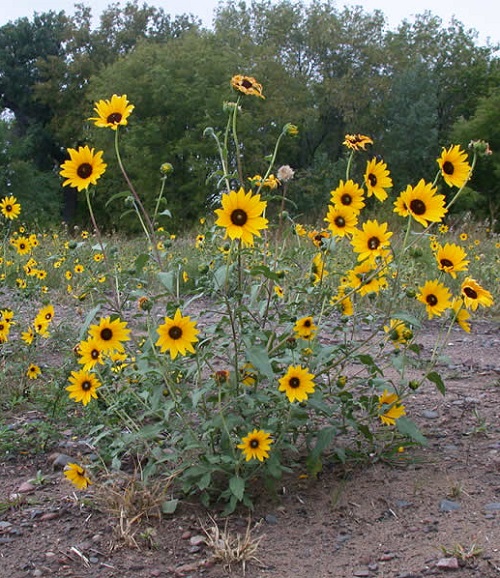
(328,70)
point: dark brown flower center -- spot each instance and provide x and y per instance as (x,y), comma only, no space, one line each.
(239,217)
(84,170)
(114,118)
(446,263)
(339,221)
(469,291)
(245,83)
(346,199)
(448,168)
(86,385)
(175,332)
(254,444)
(373,243)
(8,208)
(106,334)
(307,323)
(294,382)
(418,207)
(432,300)
(372,179)
(94,354)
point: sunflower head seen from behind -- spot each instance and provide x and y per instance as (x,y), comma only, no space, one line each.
(83,169)
(241,216)
(112,113)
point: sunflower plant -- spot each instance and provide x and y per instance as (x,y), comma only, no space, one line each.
(284,346)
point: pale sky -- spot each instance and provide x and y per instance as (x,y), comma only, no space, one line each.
(482,15)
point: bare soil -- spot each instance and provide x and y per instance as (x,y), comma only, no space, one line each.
(436,513)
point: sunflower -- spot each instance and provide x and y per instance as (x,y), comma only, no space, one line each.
(399,333)
(83,386)
(90,354)
(454,166)
(460,314)
(341,220)
(241,215)
(474,295)
(256,445)
(109,335)
(318,269)
(41,327)
(33,371)
(435,296)
(10,208)
(83,168)
(177,335)
(112,113)
(377,179)
(77,475)
(297,383)
(318,237)
(365,279)
(4,331)
(278,291)
(451,258)
(392,409)
(22,245)
(348,194)
(28,336)
(356,142)
(247,85)
(422,203)
(46,314)
(343,302)
(371,240)
(305,328)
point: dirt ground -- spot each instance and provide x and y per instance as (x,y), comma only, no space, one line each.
(439,514)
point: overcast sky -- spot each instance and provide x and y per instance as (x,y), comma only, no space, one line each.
(482,15)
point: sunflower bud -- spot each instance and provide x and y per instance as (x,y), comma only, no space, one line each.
(166,169)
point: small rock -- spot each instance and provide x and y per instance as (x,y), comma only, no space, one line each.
(186,535)
(448,506)
(362,573)
(430,414)
(403,503)
(492,506)
(4,526)
(49,516)
(60,461)
(386,557)
(94,560)
(271,519)
(447,563)
(197,540)
(26,488)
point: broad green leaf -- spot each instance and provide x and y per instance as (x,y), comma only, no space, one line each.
(408,428)
(237,487)
(169,506)
(436,379)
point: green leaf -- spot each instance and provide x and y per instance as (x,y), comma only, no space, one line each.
(169,506)
(263,270)
(88,320)
(436,379)
(237,487)
(408,428)
(259,358)
(121,194)
(140,263)
(167,279)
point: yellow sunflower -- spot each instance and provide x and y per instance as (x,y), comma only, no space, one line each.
(341,220)
(112,113)
(297,383)
(83,386)
(4,331)
(365,279)
(10,208)
(256,445)
(356,142)
(422,203)
(241,215)
(177,335)
(45,314)
(318,237)
(454,166)
(33,371)
(318,269)
(77,475)
(109,335)
(460,314)
(90,354)
(305,328)
(398,332)
(371,241)
(474,295)
(391,408)
(451,258)
(83,168)
(22,245)
(377,179)
(435,296)
(348,194)
(28,336)
(247,85)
